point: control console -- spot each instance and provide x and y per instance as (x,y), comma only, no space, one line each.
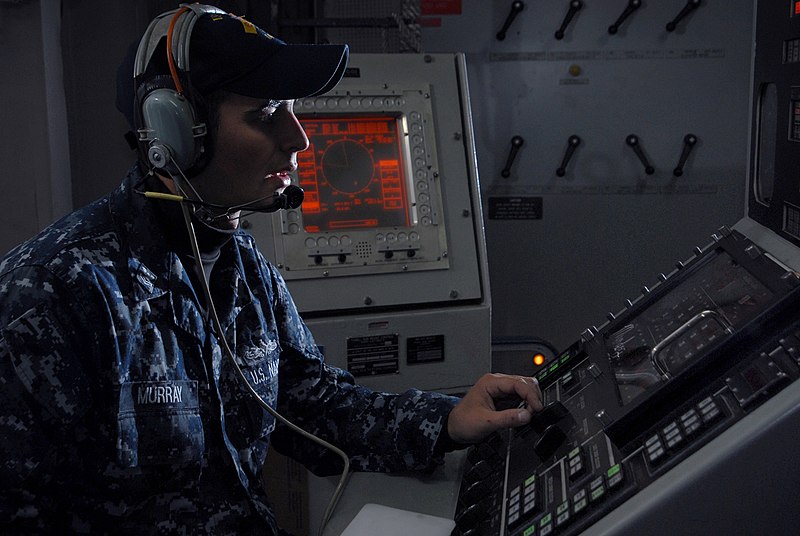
(631,400)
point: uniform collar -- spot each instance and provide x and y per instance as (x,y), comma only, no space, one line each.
(155,264)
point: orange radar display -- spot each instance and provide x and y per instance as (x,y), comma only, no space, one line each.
(353,173)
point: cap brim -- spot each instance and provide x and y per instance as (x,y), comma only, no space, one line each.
(294,72)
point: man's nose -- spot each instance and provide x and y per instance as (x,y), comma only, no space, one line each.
(295,139)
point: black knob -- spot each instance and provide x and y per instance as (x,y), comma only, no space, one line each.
(467,518)
(516,7)
(480,471)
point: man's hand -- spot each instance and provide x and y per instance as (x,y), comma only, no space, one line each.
(476,416)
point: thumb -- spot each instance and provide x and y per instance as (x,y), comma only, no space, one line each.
(511,418)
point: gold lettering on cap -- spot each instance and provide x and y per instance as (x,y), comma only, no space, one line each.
(249,27)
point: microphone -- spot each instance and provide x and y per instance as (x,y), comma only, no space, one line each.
(292,197)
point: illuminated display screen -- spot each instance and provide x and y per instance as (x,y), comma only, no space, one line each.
(353,173)
(796,8)
(678,329)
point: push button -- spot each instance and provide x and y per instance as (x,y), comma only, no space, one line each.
(575,463)
(569,380)
(530,503)
(691,422)
(615,476)
(654,449)
(672,436)
(546,525)
(562,514)
(579,502)
(514,502)
(597,489)
(709,411)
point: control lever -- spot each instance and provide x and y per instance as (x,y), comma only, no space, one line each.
(690,6)
(574,7)
(516,7)
(633,141)
(551,414)
(550,424)
(572,143)
(688,142)
(516,143)
(632,6)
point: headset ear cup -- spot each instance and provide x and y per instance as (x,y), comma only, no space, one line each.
(167,123)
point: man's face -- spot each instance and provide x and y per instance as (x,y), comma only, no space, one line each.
(256,146)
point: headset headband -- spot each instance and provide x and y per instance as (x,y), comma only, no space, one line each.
(183,19)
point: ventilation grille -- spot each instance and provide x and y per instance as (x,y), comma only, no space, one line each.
(364,250)
(791,220)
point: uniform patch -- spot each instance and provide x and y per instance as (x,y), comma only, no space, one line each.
(158,395)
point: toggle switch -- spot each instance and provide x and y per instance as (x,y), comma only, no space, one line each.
(690,6)
(632,6)
(633,142)
(574,7)
(689,141)
(572,144)
(516,8)
(516,143)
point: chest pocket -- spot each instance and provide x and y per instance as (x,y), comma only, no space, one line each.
(159,424)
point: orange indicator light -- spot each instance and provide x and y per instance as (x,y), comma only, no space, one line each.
(538,360)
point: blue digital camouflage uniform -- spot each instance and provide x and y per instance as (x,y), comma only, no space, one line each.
(120,414)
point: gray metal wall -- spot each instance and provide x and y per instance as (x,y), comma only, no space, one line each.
(606,228)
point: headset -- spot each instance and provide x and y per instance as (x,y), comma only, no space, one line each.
(170,130)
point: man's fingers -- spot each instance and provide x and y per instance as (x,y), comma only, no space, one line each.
(527,388)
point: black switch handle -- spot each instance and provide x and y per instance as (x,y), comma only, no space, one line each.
(633,141)
(574,7)
(632,6)
(690,6)
(516,7)
(689,141)
(572,144)
(516,143)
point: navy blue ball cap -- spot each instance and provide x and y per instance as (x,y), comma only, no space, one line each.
(231,53)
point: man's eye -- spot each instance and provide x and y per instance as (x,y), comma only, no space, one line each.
(269,109)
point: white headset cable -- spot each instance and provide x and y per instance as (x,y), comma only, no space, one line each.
(187,218)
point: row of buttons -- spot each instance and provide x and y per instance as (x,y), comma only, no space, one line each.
(522,501)
(352,102)
(565,512)
(673,435)
(575,464)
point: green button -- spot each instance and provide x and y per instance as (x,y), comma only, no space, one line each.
(554,366)
(563,507)
(530,530)
(546,520)
(543,373)
(564,358)
(597,493)
(574,452)
(613,470)
(531,479)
